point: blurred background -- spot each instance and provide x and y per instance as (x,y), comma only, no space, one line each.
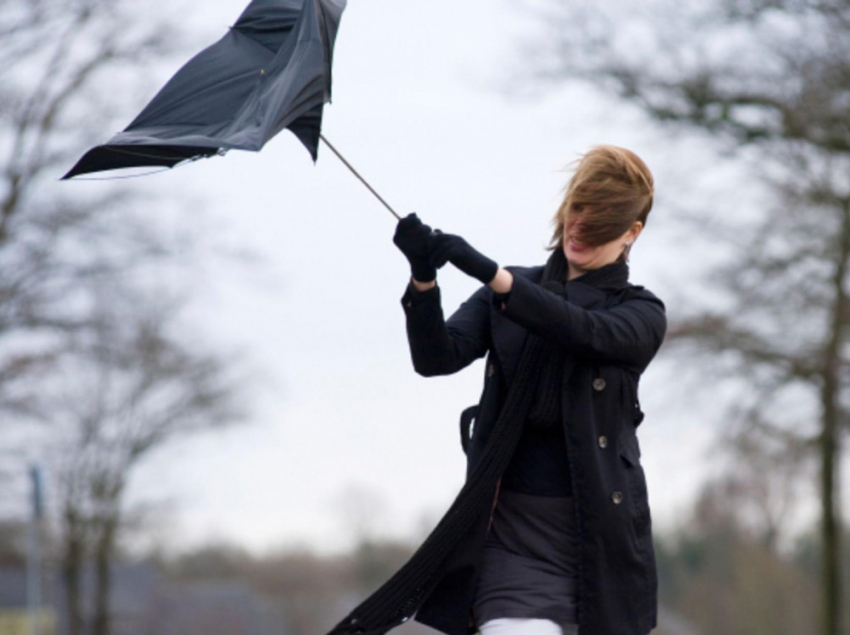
(209,422)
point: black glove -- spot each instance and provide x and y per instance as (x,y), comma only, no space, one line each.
(454,249)
(413,238)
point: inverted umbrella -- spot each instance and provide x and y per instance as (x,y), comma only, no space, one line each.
(271,71)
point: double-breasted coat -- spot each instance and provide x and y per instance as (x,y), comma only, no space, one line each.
(611,329)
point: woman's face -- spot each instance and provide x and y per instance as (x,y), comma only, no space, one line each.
(582,258)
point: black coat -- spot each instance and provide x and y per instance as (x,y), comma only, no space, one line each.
(611,330)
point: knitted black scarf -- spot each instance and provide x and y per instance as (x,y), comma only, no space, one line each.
(400,597)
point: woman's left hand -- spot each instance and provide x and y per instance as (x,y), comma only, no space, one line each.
(452,248)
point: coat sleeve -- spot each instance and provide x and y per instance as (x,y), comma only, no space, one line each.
(439,346)
(630,333)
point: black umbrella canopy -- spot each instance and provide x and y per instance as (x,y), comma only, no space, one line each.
(271,71)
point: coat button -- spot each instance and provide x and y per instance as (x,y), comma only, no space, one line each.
(617,497)
(598,383)
(491,370)
(603,441)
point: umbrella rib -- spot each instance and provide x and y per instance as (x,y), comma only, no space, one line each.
(353,171)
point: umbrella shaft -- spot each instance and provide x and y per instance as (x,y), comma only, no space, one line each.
(353,171)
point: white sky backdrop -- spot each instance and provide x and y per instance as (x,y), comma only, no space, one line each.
(342,423)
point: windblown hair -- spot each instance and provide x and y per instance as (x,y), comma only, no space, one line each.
(612,187)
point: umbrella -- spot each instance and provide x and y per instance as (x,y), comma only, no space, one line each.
(271,71)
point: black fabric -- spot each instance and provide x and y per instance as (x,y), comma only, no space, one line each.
(114,157)
(272,70)
(546,411)
(452,248)
(413,238)
(611,330)
(540,464)
(398,598)
(531,560)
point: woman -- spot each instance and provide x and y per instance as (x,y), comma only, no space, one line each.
(551,532)
(530,565)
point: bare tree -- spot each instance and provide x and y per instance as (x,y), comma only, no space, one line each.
(55,59)
(88,351)
(767,79)
(122,390)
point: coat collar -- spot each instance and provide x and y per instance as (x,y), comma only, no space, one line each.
(611,276)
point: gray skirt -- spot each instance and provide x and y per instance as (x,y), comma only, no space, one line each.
(530,562)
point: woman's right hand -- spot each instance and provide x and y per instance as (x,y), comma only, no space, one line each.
(413,238)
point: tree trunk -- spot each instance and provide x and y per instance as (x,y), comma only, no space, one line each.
(103,560)
(71,567)
(830,447)
(830,559)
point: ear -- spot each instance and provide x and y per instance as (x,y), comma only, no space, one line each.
(635,230)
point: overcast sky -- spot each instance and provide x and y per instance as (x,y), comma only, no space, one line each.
(345,435)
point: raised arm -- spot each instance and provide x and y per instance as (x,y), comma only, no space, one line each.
(630,333)
(439,346)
